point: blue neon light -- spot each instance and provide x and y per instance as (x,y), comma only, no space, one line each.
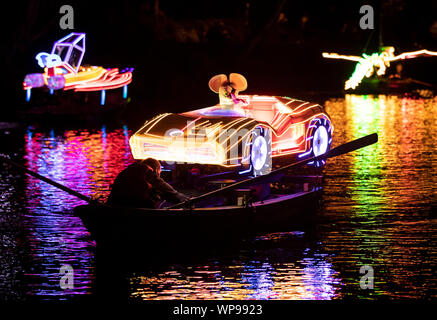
(125,91)
(73,46)
(28,93)
(48,60)
(305,154)
(222,113)
(102,97)
(246,171)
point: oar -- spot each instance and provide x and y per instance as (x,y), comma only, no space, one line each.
(337,151)
(49,181)
(423,83)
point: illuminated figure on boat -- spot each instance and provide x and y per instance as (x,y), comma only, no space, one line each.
(376,63)
(228,90)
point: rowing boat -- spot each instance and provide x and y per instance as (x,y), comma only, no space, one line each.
(277,211)
(111,224)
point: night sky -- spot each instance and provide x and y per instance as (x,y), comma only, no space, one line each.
(176,46)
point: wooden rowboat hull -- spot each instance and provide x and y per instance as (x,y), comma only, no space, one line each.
(116,225)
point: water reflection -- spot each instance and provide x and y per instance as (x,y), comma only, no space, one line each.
(85,161)
(380,196)
(376,212)
(303,274)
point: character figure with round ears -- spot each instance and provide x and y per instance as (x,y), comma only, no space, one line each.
(228,89)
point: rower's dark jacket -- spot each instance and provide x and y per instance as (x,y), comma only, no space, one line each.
(139,186)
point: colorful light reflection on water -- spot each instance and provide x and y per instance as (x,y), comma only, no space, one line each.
(380,197)
(84,161)
(304,275)
(375,212)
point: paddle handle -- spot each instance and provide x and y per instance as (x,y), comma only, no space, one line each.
(49,181)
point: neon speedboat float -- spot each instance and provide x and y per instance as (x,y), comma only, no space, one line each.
(243,132)
(63,71)
(370,77)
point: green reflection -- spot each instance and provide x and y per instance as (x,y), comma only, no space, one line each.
(367,181)
(366,113)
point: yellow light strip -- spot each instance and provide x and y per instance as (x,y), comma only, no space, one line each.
(241,138)
(213,129)
(162,116)
(83,76)
(338,56)
(288,147)
(283,120)
(283,108)
(189,124)
(147,123)
(299,106)
(312,106)
(413,54)
(234,122)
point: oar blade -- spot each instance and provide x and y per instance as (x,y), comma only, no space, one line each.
(47,180)
(353,145)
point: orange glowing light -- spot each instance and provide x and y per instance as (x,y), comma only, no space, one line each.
(213,136)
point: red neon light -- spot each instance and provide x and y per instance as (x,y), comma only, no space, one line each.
(110,80)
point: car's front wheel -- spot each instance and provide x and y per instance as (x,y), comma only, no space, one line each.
(260,151)
(319,140)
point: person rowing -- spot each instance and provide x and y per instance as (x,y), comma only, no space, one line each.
(140,185)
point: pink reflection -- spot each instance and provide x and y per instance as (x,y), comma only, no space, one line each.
(86,161)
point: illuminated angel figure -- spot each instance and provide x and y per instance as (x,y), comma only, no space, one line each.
(368,65)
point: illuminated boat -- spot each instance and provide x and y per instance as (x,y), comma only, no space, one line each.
(369,76)
(394,85)
(246,137)
(63,70)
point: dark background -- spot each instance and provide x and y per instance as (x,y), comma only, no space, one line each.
(176,46)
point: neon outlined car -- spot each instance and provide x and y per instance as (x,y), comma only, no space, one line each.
(246,137)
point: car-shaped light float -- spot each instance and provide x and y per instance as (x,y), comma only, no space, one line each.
(245,133)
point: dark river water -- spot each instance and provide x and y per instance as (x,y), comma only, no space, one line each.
(378,212)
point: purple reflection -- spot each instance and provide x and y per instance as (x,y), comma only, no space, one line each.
(259,280)
(86,162)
